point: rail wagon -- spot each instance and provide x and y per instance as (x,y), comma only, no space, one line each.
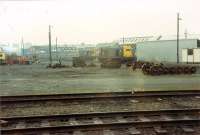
(114,56)
(2,58)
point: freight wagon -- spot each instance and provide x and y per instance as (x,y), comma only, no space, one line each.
(86,57)
(114,56)
(2,58)
(163,50)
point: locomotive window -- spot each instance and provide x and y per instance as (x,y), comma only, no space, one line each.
(190,51)
(1,55)
(117,52)
(128,49)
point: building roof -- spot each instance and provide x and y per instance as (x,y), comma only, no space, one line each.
(167,40)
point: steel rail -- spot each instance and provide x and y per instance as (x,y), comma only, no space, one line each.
(97,114)
(91,96)
(100,126)
(139,123)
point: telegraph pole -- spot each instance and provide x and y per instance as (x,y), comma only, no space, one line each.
(50,57)
(123,40)
(22,46)
(178,19)
(186,33)
(56,48)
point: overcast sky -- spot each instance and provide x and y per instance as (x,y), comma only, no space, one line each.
(93,21)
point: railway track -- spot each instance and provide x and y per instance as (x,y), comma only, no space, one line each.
(97,96)
(110,123)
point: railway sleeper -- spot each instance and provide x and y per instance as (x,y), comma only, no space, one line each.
(187,129)
(45,123)
(108,132)
(121,119)
(160,131)
(134,131)
(73,121)
(143,118)
(21,124)
(97,120)
(78,132)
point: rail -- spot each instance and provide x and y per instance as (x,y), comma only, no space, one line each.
(102,121)
(101,96)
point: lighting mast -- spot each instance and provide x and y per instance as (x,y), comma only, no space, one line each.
(178,19)
(50,57)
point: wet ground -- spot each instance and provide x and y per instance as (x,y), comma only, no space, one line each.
(37,79)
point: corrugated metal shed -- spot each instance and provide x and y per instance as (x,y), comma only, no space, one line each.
(163,50)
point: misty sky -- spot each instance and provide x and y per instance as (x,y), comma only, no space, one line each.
(93,21)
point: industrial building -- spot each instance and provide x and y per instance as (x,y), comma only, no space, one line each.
(164,50)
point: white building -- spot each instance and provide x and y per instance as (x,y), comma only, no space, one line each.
(164,50)
(191,55)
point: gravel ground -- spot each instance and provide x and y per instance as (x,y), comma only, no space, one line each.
(36,79)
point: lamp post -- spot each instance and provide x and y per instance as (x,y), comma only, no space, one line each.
(50,57)
(22,47)
(56,48)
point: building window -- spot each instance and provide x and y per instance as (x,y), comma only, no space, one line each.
(198,43)
(190,51)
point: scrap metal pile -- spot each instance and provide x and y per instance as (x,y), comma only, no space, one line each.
(163,69)
(83,62)
(111,63)
(57,65)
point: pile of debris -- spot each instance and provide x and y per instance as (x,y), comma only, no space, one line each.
(137,65)
(57,65)
(78,62)
(161,69)
(111,63)
(82,62)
